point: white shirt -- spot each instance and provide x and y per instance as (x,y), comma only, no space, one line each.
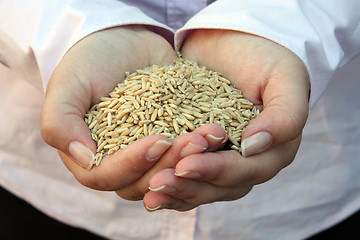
(319,189)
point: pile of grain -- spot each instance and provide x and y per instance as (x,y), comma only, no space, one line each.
(168,100)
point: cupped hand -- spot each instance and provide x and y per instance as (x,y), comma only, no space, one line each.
(204,138)
(90,70)
(215,176)
(270,76)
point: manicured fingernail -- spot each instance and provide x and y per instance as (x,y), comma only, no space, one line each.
(191,148)
(157,150)
(255,143)
(82,155)
(224,140)
(188,174)
(156,208)
(214,141)
(163,189)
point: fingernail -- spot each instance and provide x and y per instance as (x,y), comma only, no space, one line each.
(224,140)
(82,155)
(255,143)
(188,174)
(214,141)
(156,208)
(191,148)
(163,189)
(157,150)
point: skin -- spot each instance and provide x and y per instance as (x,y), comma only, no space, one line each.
(268,74)
(89,70)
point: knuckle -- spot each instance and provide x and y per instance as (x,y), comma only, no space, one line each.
(130,194)
(295,121)
(295,125)
(89,182)
(47,129)
(93,180)
(236,193)
(253,176)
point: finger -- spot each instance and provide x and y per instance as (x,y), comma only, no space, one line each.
(171,192)
(267,74)
(193,191)
(184,145)
(77,83)
(62,123)
(163,185)
(156,201)
(122,167)
(229,168)
(214,134)
(90,70)
(285,110)
(207,137)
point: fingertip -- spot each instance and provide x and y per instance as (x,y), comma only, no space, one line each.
(188,174)
(70,135)
(154,201)
(81,154)
(187,144)
(214,134)
(255,144)
(130,163)
(157,149)
(215,142)
(207,166)
(191,148)
(275,125)
(162,177)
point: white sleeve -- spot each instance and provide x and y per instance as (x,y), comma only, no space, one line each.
(324,34)
(34,35)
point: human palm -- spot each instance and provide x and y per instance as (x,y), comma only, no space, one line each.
(90,70)
(274,79)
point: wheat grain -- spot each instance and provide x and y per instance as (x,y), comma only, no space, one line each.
(168,100)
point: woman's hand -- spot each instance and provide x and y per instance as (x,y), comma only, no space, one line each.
(89,70)
(270,76)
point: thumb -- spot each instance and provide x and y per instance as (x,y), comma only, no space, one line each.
(62,120)
(63,127)
(284,114)
(89,70)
